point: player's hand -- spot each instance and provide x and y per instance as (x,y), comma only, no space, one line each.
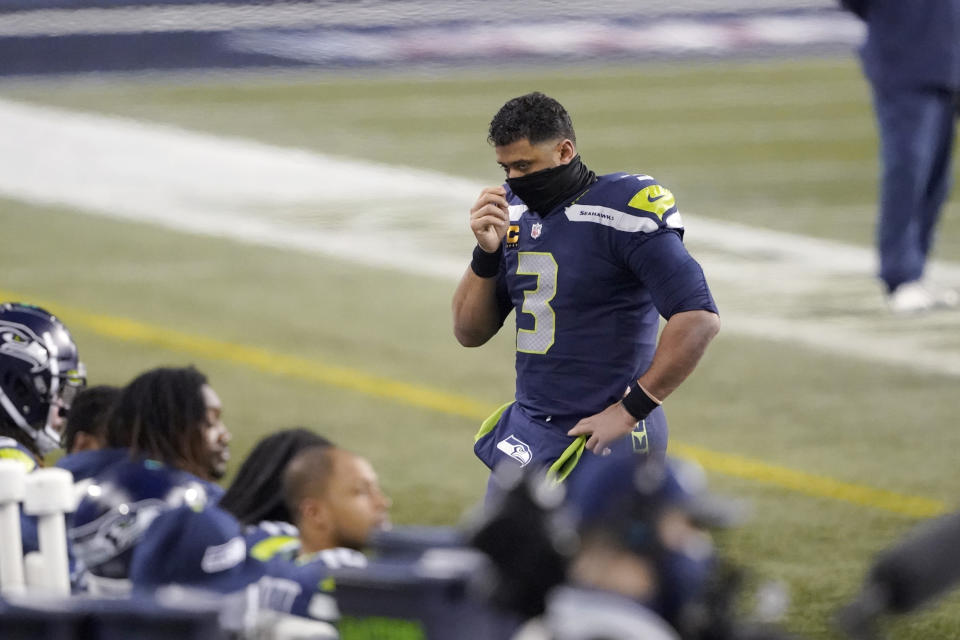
(605,427)
(490,218)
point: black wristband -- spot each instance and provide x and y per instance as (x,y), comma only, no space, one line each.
(486,265)
(638,402)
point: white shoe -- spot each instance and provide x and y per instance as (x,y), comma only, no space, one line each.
(916,297)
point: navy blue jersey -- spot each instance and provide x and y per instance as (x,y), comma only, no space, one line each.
(87,464)
(299,584)
(269,540)
(589,282)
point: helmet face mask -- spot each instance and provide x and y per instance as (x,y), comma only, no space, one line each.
(40,373)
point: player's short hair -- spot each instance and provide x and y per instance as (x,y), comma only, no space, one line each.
(534,116)
(161,415)
(256,493)
(307,475)
(89,413)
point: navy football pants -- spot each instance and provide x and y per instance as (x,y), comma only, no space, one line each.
(916,140)
(548,441)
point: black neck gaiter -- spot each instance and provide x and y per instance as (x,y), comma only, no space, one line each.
(543,190)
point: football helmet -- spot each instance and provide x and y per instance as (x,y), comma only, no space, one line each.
(115,511)
(40,372)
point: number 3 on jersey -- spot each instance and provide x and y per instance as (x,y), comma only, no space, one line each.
(536,302)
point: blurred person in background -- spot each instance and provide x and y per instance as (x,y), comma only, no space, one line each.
(256,493)
(255,497)
(589,263)
(174,416)
(337,504)
(86,427)
(911,58)
(84,437)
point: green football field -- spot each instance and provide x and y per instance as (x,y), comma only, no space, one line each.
(809,403)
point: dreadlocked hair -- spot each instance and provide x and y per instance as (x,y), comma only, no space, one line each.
(256,493)
(161,415)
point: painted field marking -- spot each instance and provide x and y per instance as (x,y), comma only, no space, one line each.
(423,397)
(808,483)
(773,285)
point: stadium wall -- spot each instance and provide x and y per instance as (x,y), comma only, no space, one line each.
(67,36)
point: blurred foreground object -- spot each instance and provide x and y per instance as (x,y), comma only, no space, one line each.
(922,567)
(46,494)
(638,562)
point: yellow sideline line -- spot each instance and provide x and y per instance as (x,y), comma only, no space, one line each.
(808,483)
(279,364)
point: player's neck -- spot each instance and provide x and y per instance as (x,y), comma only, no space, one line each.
(313,541)
(545,190)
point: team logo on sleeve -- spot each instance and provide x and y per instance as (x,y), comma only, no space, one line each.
(516,449)
(536,230)
(653,199)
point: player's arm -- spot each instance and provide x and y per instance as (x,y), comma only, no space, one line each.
(476,312)
(679,290)
(683,342)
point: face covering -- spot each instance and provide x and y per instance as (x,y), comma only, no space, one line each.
(544,190)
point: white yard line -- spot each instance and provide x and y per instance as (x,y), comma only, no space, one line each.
(769,284)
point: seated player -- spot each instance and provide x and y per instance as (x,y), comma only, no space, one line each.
(256,494)
(84,437)
(174,416)
(40,374)
(142,525)
(86,425)
(117,507)
(336,503)
(205,549)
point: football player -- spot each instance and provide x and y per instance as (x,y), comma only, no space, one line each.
(590,264)
(205,549)
(117,507)
(142,525)
(335,499)
(40,374)
(174,416)
(336,504)
(84,437)
(256,495)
